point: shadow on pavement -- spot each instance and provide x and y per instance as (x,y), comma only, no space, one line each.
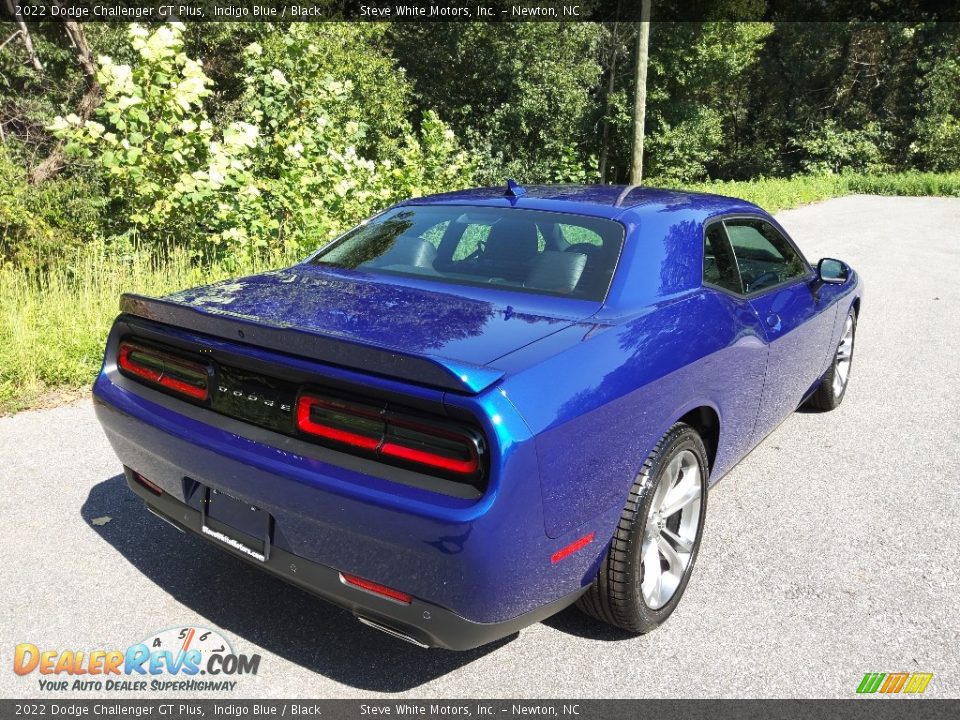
(573,622)
(260,608)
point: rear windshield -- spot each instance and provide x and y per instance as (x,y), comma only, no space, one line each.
(541,252)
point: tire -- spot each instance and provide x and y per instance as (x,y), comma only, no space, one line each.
(829,393)
(618,595)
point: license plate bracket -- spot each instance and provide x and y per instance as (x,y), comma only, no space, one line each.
(236,523)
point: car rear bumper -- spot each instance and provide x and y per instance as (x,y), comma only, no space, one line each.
(477,569)
(419,622)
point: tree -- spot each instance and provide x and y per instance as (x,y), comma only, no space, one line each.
(522,94)
(55,161)
(640,96)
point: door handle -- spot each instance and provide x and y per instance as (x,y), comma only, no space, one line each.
(773,322)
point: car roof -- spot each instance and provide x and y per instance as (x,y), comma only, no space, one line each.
(620,202)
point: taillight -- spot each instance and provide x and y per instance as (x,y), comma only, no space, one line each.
(347,423)
(152,487)
(160,368)
(376,588)
(390,436)
(430,446)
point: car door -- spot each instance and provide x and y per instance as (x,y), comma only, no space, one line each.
(745,358)
(776,282)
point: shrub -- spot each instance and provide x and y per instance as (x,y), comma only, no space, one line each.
(39,223)
(287,175)
(830,149)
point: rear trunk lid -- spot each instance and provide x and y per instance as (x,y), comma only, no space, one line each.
(427,333)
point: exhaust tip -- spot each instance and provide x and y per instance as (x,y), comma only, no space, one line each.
(390,631)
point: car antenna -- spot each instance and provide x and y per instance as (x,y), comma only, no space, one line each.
(514,189)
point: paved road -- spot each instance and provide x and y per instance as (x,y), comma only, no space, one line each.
(831,551)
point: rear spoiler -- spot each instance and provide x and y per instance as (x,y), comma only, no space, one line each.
(420,369)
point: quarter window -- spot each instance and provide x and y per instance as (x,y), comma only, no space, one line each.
(764,257)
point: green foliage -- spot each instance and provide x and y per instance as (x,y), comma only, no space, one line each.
(53,324)
(154,137)
(39,224)
(683,152)
(937,143)
(774,194)
(519,93)
(697,101)
(30,100)
(378,95)
(910,183)
(830,149)
(287,175)
(219,149)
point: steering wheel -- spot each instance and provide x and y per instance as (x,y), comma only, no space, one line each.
(763,279)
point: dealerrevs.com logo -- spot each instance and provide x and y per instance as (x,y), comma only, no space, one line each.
(182,659)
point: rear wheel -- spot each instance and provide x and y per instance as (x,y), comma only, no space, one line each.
(829,394)
(653,550)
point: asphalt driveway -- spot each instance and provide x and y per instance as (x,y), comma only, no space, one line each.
(831,551)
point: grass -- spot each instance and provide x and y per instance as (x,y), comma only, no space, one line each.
(775,194)
(53,324)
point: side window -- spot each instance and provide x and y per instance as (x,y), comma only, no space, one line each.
(719,266)
(764,257)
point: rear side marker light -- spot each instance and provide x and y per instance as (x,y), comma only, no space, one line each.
(571,548)
(389,435)
(155,489)
(181,376)
(376,588)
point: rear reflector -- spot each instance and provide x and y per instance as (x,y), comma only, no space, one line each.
(173,373)
(376,588)
(155,489)
(390,435)
(572,548)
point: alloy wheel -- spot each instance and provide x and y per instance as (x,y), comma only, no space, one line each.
(844,358)
(671,530)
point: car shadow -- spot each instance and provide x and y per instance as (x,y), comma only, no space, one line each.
(573,622)
(257,607)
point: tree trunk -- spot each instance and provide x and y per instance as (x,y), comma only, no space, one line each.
(640,97)
(27,40)
(55,161)
(611,84)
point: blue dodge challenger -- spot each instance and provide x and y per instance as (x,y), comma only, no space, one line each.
(477,408)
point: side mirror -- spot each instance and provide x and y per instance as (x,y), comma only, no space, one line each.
(832,272)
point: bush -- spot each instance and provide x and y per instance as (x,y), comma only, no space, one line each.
(39,223)
(286,175)
(830,149)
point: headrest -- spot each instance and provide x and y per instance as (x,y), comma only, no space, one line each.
(556,271)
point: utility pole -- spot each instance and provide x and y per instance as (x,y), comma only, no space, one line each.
(640,97)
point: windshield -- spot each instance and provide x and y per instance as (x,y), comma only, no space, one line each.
(542,252)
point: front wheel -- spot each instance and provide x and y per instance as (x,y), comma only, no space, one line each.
(654,548)
(829,394)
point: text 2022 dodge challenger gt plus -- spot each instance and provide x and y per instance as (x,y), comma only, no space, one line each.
(477,408)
